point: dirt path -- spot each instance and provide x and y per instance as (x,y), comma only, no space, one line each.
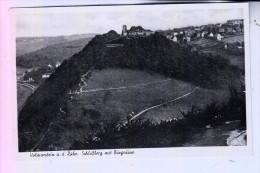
(159,105)
(117,88)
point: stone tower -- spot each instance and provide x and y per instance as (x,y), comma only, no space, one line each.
(124,31)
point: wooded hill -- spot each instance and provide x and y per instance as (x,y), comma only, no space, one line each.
(153,53)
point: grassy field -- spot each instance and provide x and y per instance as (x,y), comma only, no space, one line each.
(120,103)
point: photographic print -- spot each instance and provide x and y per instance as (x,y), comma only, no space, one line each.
(130,77)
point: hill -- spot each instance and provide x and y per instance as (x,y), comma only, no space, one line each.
(30,44)
(47,106)
(51,54)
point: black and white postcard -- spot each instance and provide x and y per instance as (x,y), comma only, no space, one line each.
(169,78)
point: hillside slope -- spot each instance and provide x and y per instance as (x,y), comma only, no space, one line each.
(47,105)
(51,54)
(26,45)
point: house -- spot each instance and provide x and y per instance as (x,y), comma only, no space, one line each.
(218,37)
(226,46)
(174,39)
(175,33)
(46,75)
(188,38)
(202,34)
(49,65)
(57,64)
(211,35)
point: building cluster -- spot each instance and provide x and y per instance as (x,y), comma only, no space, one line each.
(136,31)
(214,31)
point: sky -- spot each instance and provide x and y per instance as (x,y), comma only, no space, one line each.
(57,21)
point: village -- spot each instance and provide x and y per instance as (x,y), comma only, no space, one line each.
(183,35)
(214,31)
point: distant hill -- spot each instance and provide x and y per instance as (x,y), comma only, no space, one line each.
(154,53)
(30,44)
(52,53)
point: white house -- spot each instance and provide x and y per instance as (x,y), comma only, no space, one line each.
(202,34)
(188,39)
(175,33)
(57,64)
(50,66)
(218,37)
(174,39)
(46,75)
(211,35)
(225,46)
